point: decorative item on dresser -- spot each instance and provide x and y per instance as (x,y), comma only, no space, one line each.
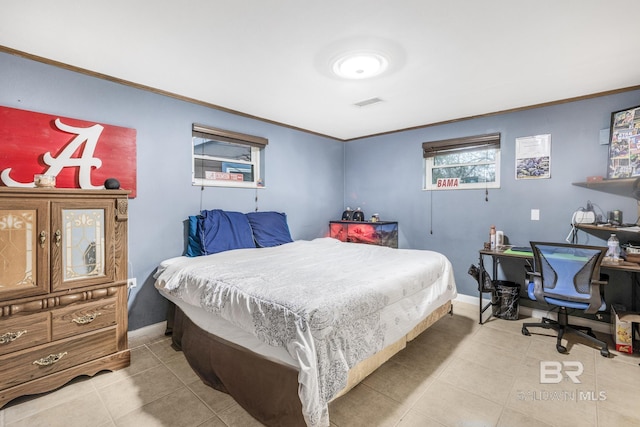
(381,233)
(63,286)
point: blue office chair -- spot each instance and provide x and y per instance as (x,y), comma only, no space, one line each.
(567,276)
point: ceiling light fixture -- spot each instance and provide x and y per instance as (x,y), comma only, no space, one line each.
(360,58)
(360,65)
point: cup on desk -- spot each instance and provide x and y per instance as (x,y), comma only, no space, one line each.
(615,217)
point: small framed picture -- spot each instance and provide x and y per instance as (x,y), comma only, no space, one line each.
(533,157)
(624,144)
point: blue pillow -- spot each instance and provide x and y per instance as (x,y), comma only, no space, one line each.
(269,228)
(194,248)
(221,231)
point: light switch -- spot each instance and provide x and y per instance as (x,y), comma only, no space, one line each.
(535,214)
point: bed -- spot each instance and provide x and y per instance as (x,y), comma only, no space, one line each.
(286,328)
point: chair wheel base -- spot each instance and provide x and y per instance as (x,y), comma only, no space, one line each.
(604,352)
(525,331)
(561,348)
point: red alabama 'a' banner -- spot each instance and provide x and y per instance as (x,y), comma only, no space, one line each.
(79,153)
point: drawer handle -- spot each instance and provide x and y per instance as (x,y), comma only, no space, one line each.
(58,238)
(43,238)
(50,359)
(83,320)
(11,336)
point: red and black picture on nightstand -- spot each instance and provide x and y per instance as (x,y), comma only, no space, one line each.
(382,233)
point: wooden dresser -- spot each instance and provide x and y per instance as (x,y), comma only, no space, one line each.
(63,287)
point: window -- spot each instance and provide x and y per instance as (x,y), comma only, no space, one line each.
(462,163)
(227,159)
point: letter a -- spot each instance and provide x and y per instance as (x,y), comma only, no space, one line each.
(89,136)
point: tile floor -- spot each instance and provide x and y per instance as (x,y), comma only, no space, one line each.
(457,373)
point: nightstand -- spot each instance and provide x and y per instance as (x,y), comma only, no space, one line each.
(381,233)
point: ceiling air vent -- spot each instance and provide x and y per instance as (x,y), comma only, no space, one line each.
(369,101)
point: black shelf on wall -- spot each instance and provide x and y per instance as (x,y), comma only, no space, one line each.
(627,187)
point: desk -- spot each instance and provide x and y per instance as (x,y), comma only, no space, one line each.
(630,267)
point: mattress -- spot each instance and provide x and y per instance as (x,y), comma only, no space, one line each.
(321,306)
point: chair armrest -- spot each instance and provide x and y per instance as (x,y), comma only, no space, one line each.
(536,278)
(532,274)
(538,290)
(595,300)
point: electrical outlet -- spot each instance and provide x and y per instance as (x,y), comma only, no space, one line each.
(535,214)
(132,283)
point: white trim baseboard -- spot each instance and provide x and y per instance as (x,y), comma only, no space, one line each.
(156,329)
(468,299)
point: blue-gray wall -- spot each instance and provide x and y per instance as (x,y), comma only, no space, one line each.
(303,173)
(312,178)
(384,175)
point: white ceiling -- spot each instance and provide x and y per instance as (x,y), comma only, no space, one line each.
(451,59)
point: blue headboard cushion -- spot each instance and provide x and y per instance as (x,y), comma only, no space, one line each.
(194,248)
(221,231)
(217,230)
(269,228)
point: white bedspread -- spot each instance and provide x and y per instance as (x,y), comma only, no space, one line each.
(330,304)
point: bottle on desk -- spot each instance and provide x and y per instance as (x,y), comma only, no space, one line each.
(492,237)
(614,248)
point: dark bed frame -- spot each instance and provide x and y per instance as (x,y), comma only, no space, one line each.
(265,388)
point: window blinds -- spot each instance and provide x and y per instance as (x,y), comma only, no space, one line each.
(432,148)
(229,136)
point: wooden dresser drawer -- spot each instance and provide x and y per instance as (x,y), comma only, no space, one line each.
(83,317)
(19,332)
(22,366)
